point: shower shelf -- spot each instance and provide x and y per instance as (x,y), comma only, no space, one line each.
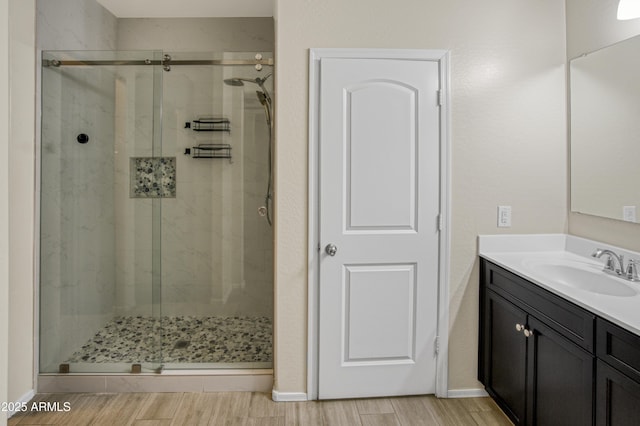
(210,150)
(210,125)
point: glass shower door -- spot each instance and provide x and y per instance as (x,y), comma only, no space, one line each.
(217,246)
(156,246)
(100,212)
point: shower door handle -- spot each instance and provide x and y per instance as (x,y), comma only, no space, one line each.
(331,249)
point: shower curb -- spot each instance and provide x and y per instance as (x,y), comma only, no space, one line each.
(172,381)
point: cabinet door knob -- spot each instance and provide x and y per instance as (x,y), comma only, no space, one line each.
(519,327)
(528,333)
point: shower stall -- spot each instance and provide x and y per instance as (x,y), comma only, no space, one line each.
(156,246)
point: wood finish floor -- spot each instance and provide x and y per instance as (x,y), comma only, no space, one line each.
(251,408)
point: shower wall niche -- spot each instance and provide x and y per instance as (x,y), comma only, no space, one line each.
(151,258)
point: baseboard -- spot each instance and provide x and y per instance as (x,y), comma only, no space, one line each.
(23,401)
(288,396)
(466,393)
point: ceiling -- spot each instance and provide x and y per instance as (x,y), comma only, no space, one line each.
(188,8)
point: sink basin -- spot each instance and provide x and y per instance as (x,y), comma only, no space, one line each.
(583,276)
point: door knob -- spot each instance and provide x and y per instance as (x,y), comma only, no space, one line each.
(528,333)
(331,249)
(519,327)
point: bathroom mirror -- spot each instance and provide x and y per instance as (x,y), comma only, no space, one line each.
(605,132)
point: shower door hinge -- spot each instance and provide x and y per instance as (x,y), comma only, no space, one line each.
(439,223)
(439,96)
(437,345)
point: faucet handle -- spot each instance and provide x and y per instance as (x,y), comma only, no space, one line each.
(631,272)
(609,264)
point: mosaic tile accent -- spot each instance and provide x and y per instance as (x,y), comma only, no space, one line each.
(184,339)
(153,177)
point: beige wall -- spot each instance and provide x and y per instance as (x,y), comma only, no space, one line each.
(508,139)
(591,25)
(21,197)
(4,205)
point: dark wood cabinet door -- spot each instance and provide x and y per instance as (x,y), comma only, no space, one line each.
(617,397)
(560,379)
(505,355)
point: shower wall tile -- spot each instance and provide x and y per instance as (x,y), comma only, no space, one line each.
(204,239)
(75,25)
(134,216)
(77,211)
(76,207)
(211,236)
(197,34)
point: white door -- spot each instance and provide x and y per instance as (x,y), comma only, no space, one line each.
(379,182)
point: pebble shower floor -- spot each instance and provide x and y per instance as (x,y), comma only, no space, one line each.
(184,339)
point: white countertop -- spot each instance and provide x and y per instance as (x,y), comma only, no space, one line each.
(516,253)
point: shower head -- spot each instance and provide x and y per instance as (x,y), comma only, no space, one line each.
(263,96)
(239,81)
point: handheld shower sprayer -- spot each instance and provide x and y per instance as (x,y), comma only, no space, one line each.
(265,101)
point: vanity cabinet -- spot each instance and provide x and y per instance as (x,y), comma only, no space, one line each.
(618,375)
(536,355)
(504,367)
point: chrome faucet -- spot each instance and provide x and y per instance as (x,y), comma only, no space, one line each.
(630,272)
(609,265)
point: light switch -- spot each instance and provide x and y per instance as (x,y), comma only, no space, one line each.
(629,213)
(504,216)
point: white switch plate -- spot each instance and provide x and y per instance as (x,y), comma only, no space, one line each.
(504,216)
(629,213)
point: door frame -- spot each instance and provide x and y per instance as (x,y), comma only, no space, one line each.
(315,57)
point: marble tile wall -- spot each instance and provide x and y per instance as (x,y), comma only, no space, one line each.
(134,245)
(216,251)
(77,210)
(74,25)
(215,248)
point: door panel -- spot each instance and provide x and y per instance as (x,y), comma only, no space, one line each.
(380,308)
(379,204)
(367,183)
